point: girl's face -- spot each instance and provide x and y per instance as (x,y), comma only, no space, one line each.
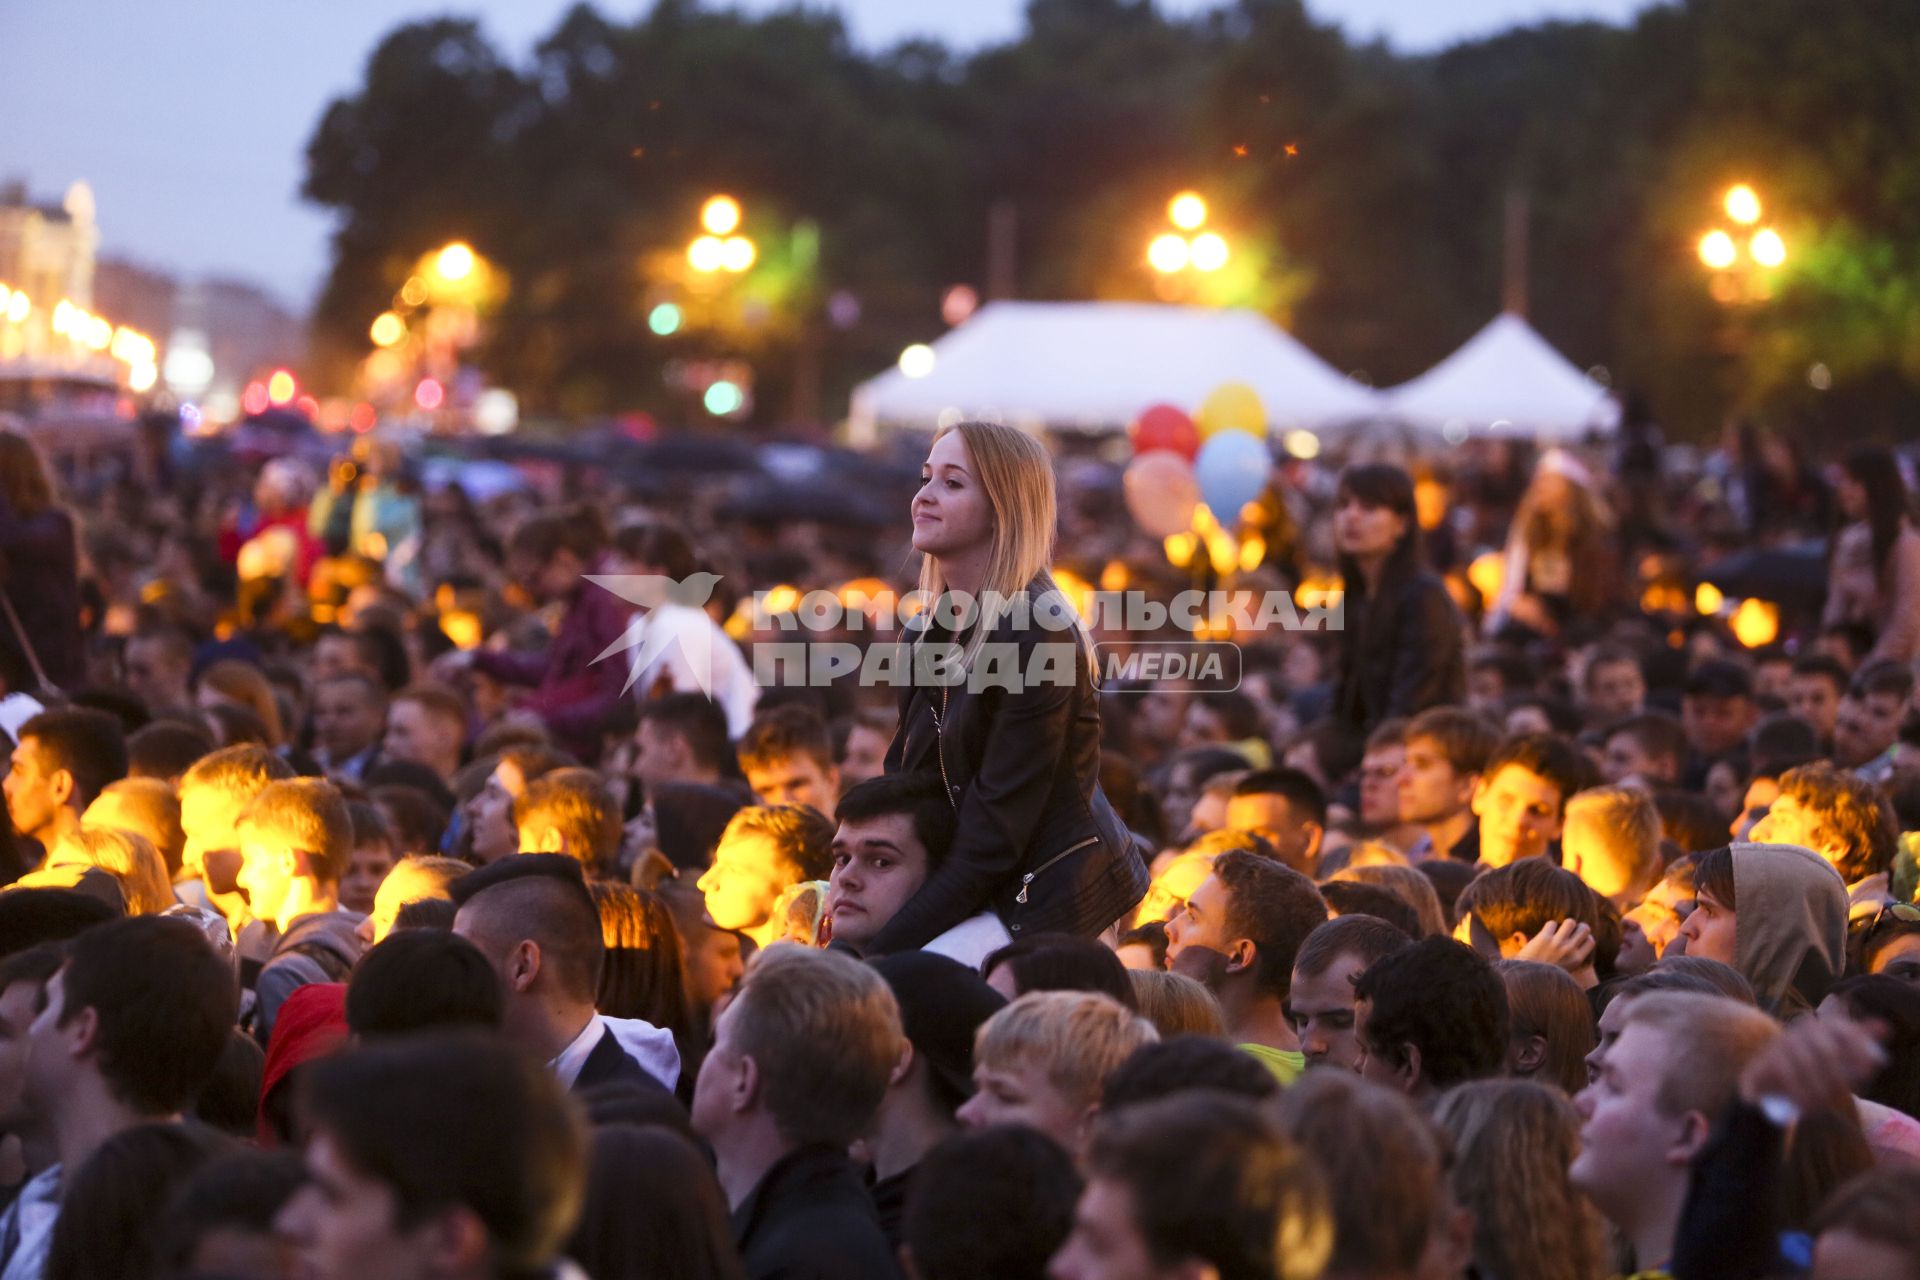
(1851,494)
(951,514)
(1365,531)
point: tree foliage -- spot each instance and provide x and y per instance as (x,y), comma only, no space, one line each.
(1365,191)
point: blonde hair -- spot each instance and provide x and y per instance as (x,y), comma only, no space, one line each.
(1513,1141)
(1076,1038)
(1629,826)
(1176,1005)
(1016,475)
(308,815)
(239,772)
(1409,884)
(1710,1040)
(131,859)
(146,807)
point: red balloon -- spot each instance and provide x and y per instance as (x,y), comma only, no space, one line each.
(1165,427)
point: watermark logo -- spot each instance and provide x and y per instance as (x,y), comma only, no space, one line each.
(805,640)
(647,638)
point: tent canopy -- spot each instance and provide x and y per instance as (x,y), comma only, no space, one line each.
(1505,376)
(1096,365)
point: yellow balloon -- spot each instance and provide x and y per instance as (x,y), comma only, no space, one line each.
(1232,406)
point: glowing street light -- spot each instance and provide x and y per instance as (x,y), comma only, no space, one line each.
(389,330)
(1168,254)
(280,387)
(1718,251)
(706,254)
(1187,211)
(917,361)
(1743,205)
(1767,248)
(737,254)
(1207,252)
(720,215)
(455,262)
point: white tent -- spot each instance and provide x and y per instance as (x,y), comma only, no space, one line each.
(1506,377)
(1095,365)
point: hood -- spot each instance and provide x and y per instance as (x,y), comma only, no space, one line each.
(650,1046)
(335,931)
(1790,928)
(312,1022)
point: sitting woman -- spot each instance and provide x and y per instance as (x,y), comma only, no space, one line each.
(1013,732)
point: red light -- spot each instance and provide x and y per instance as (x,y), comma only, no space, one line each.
(362,417)
(429,394)
(255,400)
(308,405)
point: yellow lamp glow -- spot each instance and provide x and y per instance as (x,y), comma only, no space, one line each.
(1707,599)
(388,330)
(707,254)
(737,253)
(1168,254)
(1756,623)
(720,215)
(1718,251)
(280,387)
(1487,573)
(1208,252)
(1767,248)
(1187,211)
(1743,205)
(455,262)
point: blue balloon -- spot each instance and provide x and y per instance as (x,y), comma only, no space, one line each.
(1232,471)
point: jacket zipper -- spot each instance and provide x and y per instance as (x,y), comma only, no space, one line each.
(1027,879)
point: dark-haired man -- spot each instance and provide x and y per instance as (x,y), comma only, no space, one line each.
(444,1157)
(1447,749)
(682,738)
(1320,1000)
(1192,1186)
(128,1032)
(894,832)
(787,756)
(1716,711)
(1287,807)
(533,919)
(942,1006)
(1521,800)
(1431,1016)
(62,761)
(1239,934)
(349,719)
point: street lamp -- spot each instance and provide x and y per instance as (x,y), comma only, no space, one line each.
(1720,248)
(719,249)
(1171,252)
(455,262)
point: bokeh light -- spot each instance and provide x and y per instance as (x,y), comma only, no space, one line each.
(1187,211)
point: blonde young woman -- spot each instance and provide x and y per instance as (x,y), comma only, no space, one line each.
(1036,841)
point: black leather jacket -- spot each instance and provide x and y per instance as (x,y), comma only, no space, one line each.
(1036,839)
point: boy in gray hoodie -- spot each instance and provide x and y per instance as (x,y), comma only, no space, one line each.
(1775,912)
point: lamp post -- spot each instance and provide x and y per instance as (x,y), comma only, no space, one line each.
(1740,255)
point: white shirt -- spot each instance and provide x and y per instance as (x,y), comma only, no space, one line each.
(26,1229)
(690,650)
(972,941)
(566,1066)
(650,1046)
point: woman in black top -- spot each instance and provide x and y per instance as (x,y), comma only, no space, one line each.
(1015,735)
(1402,648)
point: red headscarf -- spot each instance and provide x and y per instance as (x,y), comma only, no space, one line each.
(312,1023)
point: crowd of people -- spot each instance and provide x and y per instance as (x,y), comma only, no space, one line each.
(404,885)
